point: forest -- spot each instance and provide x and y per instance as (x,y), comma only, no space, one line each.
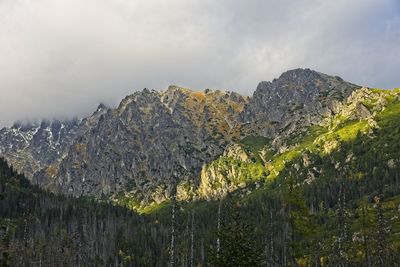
(342,219)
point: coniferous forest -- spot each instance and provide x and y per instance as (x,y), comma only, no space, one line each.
(338,221)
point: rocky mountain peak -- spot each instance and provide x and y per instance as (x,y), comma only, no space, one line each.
(101,108)
(157,140)
(305,81)
(144,95)
(297,97)
(31,146)
(152,141)
(174,95)
(177,88)
(299,75)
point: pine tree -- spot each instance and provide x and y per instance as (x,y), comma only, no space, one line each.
(381,234)
(237,247)
(172,245)
(343,235)
(298,229)
(365,237)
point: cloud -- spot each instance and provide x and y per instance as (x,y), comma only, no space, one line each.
(60,58)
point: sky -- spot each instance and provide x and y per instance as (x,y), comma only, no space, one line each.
(61,58)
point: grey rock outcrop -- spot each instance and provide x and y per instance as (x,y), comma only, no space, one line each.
(29,147)
(152,140)
(298,98)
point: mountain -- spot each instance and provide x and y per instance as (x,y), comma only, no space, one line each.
(150,142)
(156,144)
(297,99)
(259,159)
(306,171)
(32,146)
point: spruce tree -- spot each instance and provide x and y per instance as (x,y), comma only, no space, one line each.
(381,234)
(237,246)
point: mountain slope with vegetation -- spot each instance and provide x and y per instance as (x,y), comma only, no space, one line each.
(304,173)
(155,144)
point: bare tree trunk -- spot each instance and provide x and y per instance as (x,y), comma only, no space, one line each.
(192,242)
(381,234)
(185,260)
(172,245)
(202,252)
(271,240)
(285,250)
(342,257)
(365,237)
(219,228)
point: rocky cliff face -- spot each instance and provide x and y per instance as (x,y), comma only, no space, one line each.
(31,147)
(155,144)
(252,161)
(298,98)
(34,148)
(152,143)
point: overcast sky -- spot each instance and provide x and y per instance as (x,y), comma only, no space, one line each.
(60,58)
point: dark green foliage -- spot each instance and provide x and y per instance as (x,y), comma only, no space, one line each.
(237,244)
(300,228)
(254,143)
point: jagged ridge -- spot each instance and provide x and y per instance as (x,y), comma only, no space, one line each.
(155,142)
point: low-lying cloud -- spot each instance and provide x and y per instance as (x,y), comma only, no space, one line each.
(60,58)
